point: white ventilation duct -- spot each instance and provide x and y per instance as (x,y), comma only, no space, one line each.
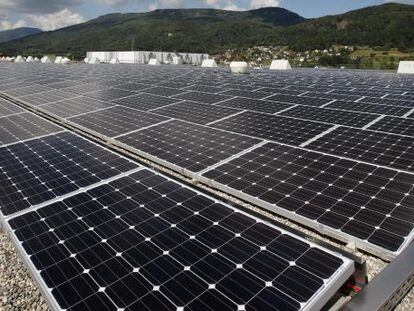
(153,62)
(406,67)
(280,64)
(30,59)
(114,61)
(176,60)
(94,61)
(19,59)
(239,67)
(209,63)
(86,60)
(36,60)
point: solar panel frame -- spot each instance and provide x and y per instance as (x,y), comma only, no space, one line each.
(7,108)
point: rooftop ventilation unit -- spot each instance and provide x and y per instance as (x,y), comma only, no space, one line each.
(19,59)
(65,61)
(86,60)
(30,59)
(114,61)
(209,63)
(46,60)
(239,67)
(94,61)
(153,62)
(406,67)
(280,64)
(36,60)
(58,59)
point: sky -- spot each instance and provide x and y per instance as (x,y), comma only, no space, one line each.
(53,14)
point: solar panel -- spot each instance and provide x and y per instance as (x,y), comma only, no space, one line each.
(248,94)
(42,169)
(109,94)
(46,97)
(355,119)
(32,89)
(146,101)
(187,145)
(303,100)
(133,87)
(255,105)
(200,97)
(7,108)
(116,121)
(74,106)
(277,128)
(196,112)
(22,126)
(373,147)
(394,125)
(146,242)
(370,108)
(385,101)
(163,91)
(343,198)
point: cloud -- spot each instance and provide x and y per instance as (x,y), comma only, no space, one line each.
(52,21)
(255,4)
(165,4)
(6,25)
(38,6)
(113,3)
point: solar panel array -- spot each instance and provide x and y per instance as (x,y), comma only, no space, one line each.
(195,121)
(100,232)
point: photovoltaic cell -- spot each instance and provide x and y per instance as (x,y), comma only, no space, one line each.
(277,128)
(42,169)
(163,91)
(46,97)
(74,106)
(354,119)
(162,246)
(24,126)
(365,202)
(394,125)
(109,94)
(187,145)
(255,105)
(303,100)
(373,147)
(116,120)
(201,97)
(7,108)
(370,108)
(196,112)
(146,101)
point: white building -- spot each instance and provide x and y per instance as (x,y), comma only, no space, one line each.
(143,57)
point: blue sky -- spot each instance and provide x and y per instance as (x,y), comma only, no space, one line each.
(53,14)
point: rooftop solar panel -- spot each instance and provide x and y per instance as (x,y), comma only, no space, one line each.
(248,94)
(303,100)
(370,108)
(32,89)
(109,94)
(200,97)
(277,128)
(394,125)
(163,246)
(353,201)
(385,101)
(255,105)
(196,112)
(145,101)
(74,106)
(42,169)
(46,97)
(116,121)
(22,126)
(186,145)
(7,108)
(133,87)
(163,91)
(373,147)
(355,119)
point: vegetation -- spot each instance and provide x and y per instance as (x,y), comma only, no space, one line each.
(13,34)
(218,32)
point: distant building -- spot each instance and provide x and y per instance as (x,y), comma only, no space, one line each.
(142,57)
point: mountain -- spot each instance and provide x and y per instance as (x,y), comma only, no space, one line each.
(215,31)
(13,34)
